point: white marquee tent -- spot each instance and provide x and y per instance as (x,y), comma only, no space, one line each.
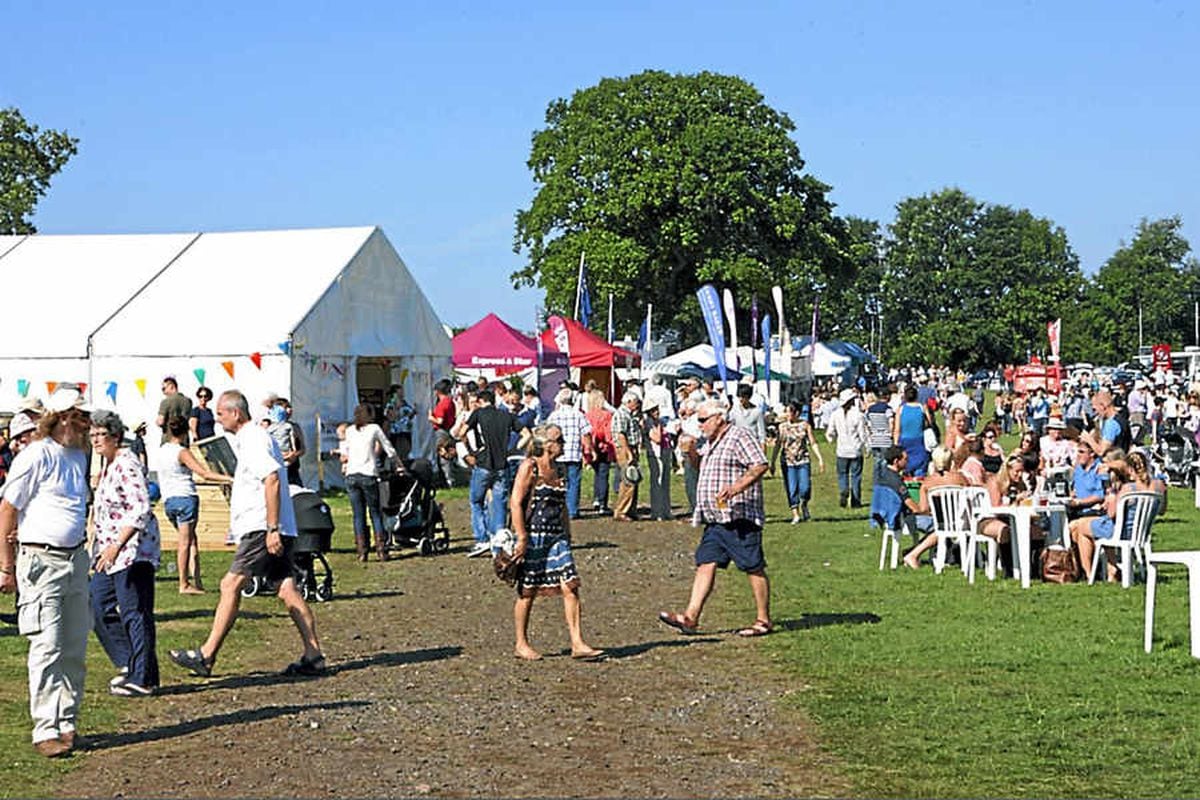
(319,316)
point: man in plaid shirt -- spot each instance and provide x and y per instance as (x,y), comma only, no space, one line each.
(729,504)
(577,444)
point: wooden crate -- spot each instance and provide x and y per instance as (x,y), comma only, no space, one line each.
(214,520)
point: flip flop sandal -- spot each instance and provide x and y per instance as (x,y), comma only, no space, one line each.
(679,622)
(306,667)
(193,660)
(759,628)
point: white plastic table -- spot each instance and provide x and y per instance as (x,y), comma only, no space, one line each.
(1022,517)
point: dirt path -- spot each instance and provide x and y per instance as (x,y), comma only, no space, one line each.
(425,698)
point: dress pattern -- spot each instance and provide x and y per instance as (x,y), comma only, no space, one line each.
(549,565)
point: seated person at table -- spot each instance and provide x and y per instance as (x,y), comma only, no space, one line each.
(895,459)
(1057,450)
(1010,486)
(1087,485)
(1029,446)
(993,454)
(970,459)
(1126,474)
(944,474)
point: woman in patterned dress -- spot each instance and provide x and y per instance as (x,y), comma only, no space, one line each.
(125,553)
(540,523)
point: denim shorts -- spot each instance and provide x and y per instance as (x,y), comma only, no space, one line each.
(182,509)
(739,541)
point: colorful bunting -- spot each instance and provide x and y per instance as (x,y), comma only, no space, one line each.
(50,387)
(285,348)
(22,387)
(337,369)
(199,372)
(82,387)
(228,365)
(111,391)
(140,383)
(256,359)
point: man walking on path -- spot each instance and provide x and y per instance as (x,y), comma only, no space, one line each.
(490,471)
(729,504)
(263,523)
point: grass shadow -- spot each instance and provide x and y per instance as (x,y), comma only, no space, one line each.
(630,650)
(106,741)
(595,546)
(808,621)
(369,595)
(207,613)
(273,678)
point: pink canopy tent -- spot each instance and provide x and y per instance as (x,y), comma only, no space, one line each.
(493,344)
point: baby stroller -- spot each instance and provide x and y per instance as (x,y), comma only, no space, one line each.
(1176,454)
(314,532)
(414,515)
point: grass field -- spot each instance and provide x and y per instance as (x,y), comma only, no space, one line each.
(921,685)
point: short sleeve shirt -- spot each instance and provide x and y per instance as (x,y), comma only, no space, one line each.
(574,426)
(444,409)
(257,457)
(723,462)
(48,485)
(623,422)
(123,501)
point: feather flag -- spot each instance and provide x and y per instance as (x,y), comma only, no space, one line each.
(753,322)
(710,308)
(731,320)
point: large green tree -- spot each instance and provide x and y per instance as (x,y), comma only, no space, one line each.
(971,284)
(667,182)
(1153,275)
(29,158)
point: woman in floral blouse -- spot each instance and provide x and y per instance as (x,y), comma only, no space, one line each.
(125,551)
(797,443)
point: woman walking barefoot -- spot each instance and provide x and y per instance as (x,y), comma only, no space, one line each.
(540,522)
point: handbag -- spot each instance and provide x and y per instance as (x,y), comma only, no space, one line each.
(931,439)
(506,567)
(1060,566)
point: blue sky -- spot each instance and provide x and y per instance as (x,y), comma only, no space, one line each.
(418,117)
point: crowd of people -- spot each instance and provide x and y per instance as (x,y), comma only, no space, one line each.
(525,465)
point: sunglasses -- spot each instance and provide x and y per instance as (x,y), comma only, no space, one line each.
(706,419)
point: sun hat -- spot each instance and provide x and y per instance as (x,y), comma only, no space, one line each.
(66,397)
(19,424)
(846,396)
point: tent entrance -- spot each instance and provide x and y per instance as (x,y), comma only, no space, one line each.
(373,376)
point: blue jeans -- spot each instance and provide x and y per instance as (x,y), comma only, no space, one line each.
(573,471)
(123,617)
(484,520)
(849,475)
(363,491)
(797,479)
(878,465)
(600,482)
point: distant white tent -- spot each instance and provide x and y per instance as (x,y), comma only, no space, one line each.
(321,316)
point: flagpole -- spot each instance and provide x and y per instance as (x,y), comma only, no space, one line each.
(579,285)
(612,365)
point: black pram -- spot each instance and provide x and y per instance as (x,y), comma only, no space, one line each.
(314,534)
(414,516)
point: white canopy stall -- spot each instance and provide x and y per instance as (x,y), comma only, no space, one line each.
(320,316)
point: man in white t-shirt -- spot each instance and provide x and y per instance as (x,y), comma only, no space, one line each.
(263,523)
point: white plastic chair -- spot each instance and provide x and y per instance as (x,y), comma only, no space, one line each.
(891,537)
(1189,559)
(951,522)
(1131,534)
(976,499)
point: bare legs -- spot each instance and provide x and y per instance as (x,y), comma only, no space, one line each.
(187,560)
(571,606)
(231,600)
(702,586)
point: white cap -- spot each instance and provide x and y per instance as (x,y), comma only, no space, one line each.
(65,397)
(20,423)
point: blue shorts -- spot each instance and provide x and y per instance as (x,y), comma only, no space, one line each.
(739,541)
(182,509)
(1103,527)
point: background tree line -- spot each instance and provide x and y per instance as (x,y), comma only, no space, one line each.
(671,181)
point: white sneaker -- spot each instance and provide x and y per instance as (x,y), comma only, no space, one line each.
(130,689)
(120,677)
(480,548)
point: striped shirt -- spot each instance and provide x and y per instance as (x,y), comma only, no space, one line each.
(879,425)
